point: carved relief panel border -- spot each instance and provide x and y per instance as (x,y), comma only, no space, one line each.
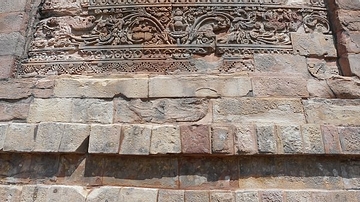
(163,35)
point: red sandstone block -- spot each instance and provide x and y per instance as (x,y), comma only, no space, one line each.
(331,139)
(195,138)
(13,22)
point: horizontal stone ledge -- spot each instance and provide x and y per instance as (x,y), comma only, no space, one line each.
(117,193)
(180,140)
(200,86)
(173,172)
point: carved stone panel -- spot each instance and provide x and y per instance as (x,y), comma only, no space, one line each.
(95,36)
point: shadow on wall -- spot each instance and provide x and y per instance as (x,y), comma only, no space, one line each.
(290,172)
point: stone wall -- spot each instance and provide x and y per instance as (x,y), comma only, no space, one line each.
(286,130)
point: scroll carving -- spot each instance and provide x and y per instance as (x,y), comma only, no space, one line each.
(163,35)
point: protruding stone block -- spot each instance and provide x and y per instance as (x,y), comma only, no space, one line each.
(10,193)
(3,128)
(195,139)
(138,195)
(216,196)
(63,193)
(135,139)
(270,196)
(104,193)
(222,140)
(171,195)
(165,139)
(48,137)
(266,138)
(75,138)
(104,139)
(312,137)
(20,137)
(31,193)
(12,44)
(350,139)
(248,196)
(290,138)
(314,44)
(331,139)
(245,141)
(197,196)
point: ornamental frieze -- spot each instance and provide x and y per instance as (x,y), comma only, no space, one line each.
(99,36)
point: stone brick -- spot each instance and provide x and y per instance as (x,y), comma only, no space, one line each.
(216,196)
(209,173)
(34,193)
(349,20)
(16,88)
(135,139)
(222,140)
(3,128)
(322,68)
(75,138)
(312,139)
(160,110)
(63,193)
(92,110)
(104,139)
(349,42)
(354,61)
(13,22)
(195,86)
(12,5)
(48,137)
(165,139)
(314,44)
(350,139)
(332,111)
(351,174)
(138,194)
(136,87)
(104,193)
(197,196)
(20,137)
(171,195)
(271,196)
(266,86)
(290,138)
(322,196)
(50,110)
(345,87)
(298,196)
(248,196)
(260,110)
(14,110)
(245,141)
(281,64)
(319,88)
(12,44)
(7,66)
(348,4)
(331,139)
(195,139)
(139,171)
(10,193)
(266,138)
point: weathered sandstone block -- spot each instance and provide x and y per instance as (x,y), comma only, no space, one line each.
(10,193)
(199,86)
(268,196)
(165,139)
(222,140)
(312,139)
(248,196)
(136,87)
(227,196)
(331,139)
(350,139)
(7,66)
(280,65)
(293,196)
(64,193)
(160,110)
(12,6)
(48,137)
(31,193)
(332,111)
(197,196)
(266,86)
(50,110)
(344,87)
(104,138)
(266,138)
(263,110)
(75,138)
(348,4)
(138,195)
(13,22)
(14,110)
(171,195)
(104,193)
(349,20)
(245,141)
(290,139)
(3,128)
(12,44)
(314,44)
(195,139)
(20,137)
(135,139)
(92,110)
